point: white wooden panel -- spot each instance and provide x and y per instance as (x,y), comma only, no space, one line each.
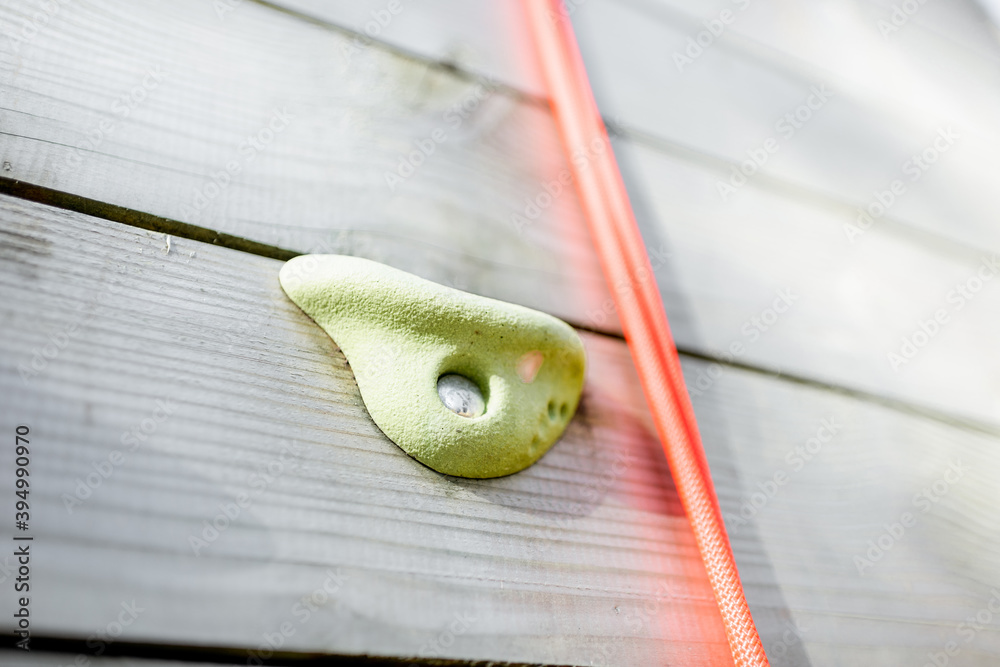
(892,93)
(834,499)
(486,37)
(852,303)
(320,184)
(730,99)
(318,187)
(555,564)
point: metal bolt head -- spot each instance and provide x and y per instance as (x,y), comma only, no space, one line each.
(461,395)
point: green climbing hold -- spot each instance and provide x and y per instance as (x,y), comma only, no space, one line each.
(469,386)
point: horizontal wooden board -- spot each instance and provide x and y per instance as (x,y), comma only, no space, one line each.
(559,564)
(849,304)
(892,93)
(478,36)
(317,188)
(818,508)
(730,100)
(585,557)
(264,126)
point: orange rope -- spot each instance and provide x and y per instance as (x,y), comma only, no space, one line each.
(625,263)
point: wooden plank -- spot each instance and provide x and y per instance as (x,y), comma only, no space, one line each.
(884,110)
(851,304)
(965,24)
(200,91)
(833,500)
(317,188)
(557,563)
(585,557)
(479,36)
(487,37)
(892,93)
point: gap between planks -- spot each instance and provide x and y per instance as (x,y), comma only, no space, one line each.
(904,230)
(57,648)
(122,215)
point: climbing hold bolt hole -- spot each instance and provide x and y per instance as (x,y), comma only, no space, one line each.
(552,410)
(461,395)
(564,411)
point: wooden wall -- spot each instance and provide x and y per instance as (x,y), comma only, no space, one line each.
(159,160)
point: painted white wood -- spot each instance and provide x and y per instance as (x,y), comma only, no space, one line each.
(320,187)
(892,90)
(553,564)
(212,90)
(557,563)
(485,37)
(734,95)
(895,318)
(831,501)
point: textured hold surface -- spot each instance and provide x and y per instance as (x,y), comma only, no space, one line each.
(402,333)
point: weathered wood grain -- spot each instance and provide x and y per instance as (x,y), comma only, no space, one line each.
(560,564)
(730,100)
(848,305)
(318,187)
(202,93)
(63,653)
(892,93)
(557,565)
(478,36)
(826,509)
